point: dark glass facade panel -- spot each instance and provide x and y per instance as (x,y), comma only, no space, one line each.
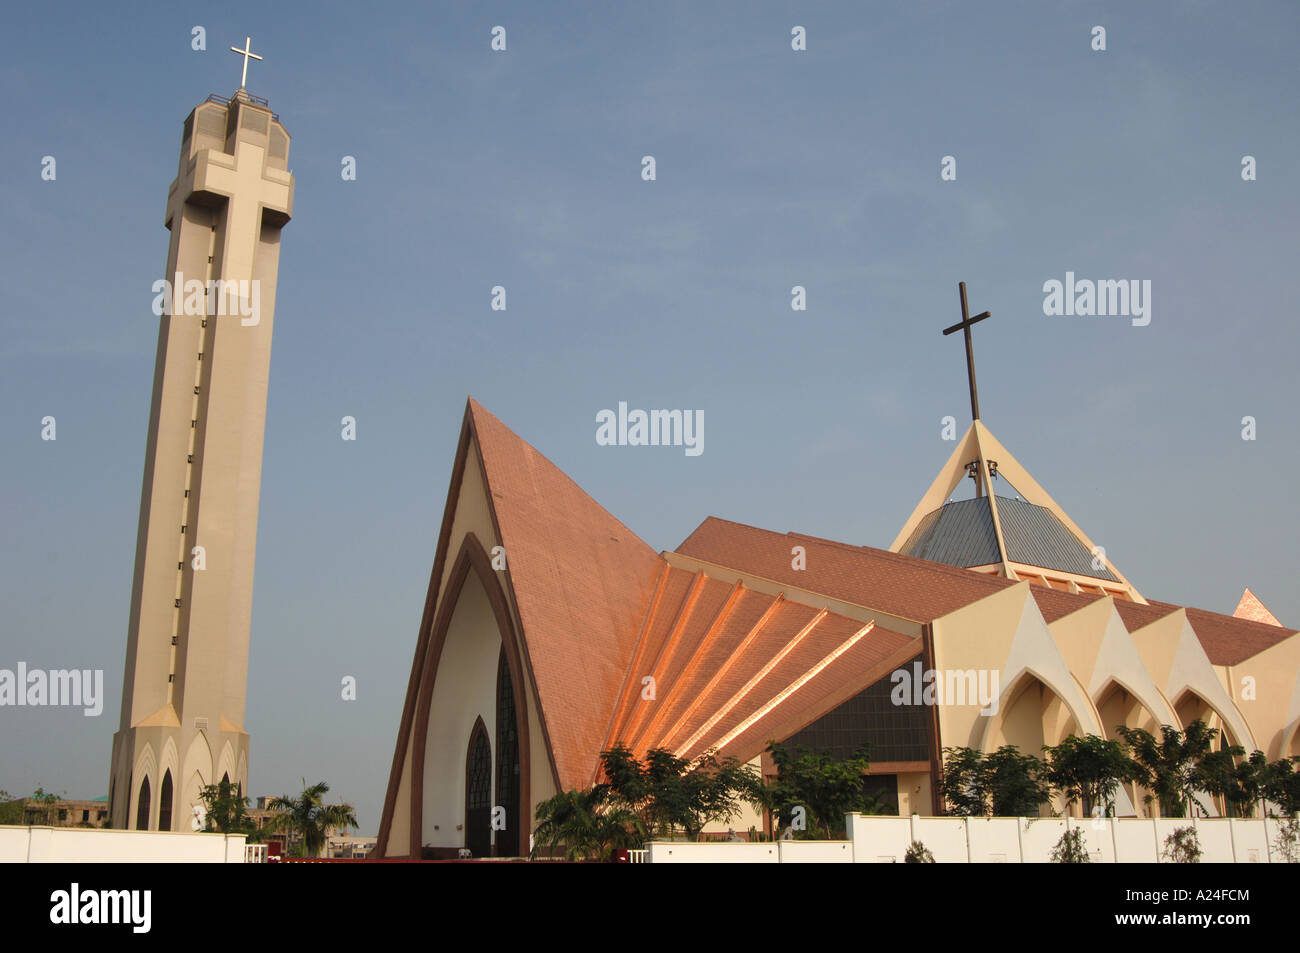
(165,804)
(507,760)
(142,811)
(895,732)
(478,794)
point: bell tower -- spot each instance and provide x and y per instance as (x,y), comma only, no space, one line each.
(182,721)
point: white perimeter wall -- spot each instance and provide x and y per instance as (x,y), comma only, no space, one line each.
(1008,840)
(87,845)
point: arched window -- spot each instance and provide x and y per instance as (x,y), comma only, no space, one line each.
(165,803)
(507,760)
(478,792)
(142,810)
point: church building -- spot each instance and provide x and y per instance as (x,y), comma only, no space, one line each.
(552,632)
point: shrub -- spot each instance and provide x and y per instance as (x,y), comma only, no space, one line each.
(1070,849)
(918,853)
(1288,840)
(1183,846)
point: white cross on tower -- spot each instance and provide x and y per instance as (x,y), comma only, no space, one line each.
(246,53)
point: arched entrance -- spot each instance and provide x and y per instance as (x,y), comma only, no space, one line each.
(1031,715)
(478,792)
(1119,707)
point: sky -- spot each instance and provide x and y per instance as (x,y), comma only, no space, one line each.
(523,168)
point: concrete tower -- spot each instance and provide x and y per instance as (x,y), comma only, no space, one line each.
(182,723)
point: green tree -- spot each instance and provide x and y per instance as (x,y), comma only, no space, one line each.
(669,793)
(310,818)
(825,787)
(1088,770)
(586,824)
(1282,785)
(1168,767)
(225,809)
(1239,782)
(964,785)
(1016,783)
(11,808)
(1005,783)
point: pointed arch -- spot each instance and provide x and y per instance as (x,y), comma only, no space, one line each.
(471,558)
(142,807)
(165,802)
(226,761)
(196,770)
(478,791)
(169,758)
(1118,704)
(1193,706)
(1031,713)
(146,767)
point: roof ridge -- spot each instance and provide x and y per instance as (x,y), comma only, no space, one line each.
(956,572)
(476,408)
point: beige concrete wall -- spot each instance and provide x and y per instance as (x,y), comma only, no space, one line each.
(1273,678)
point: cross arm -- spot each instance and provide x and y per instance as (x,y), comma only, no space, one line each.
(967,323)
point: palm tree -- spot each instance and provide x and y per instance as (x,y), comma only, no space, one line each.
(586,824)
(309,817)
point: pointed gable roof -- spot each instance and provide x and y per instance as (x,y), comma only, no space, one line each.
(999,530)
(1228,640)
(581,581)
(1251,608)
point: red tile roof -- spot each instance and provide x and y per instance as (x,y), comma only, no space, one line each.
(582,582)
(915,589)
(1055,603)
(1137,616)
(734,668)
(1228,640)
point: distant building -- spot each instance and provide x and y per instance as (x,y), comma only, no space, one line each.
(66,813)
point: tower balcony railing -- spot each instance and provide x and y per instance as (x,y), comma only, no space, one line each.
(227,100)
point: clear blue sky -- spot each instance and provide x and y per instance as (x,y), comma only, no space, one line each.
(522,169)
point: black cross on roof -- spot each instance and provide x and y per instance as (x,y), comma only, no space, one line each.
(965,325)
